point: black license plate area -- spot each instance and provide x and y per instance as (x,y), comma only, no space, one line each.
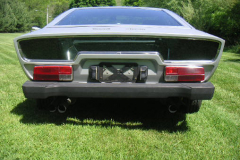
(118,72)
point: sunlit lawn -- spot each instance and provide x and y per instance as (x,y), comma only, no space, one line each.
(118,128)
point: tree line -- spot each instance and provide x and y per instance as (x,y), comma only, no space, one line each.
(21,15)
(218,17)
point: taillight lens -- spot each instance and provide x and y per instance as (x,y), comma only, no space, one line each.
(184,74)
(52,73)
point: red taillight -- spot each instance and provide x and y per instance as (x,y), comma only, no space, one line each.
(178,74)
(52,73)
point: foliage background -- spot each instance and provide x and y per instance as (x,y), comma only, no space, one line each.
(91,3)
(13,16)
(218,17)
(133,3)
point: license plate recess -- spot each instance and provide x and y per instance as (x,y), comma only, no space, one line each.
(118,72)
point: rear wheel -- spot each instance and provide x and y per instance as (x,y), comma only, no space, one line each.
(192,106)
(47,104)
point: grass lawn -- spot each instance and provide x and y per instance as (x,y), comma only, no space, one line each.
(118,129)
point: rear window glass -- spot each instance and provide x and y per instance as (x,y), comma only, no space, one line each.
(119,16)
(69,48)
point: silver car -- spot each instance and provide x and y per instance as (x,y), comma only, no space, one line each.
(119,52)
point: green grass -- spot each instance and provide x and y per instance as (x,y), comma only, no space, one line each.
(127,129)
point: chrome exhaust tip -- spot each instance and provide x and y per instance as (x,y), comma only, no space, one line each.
(172,108)
(62,107)
(52,108)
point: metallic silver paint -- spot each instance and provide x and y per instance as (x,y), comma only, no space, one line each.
(154,60)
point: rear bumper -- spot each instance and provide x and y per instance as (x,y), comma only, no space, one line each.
(194,91)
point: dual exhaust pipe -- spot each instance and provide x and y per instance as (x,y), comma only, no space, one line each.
(61,105)
(173,108)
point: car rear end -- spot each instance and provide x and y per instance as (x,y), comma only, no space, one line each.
(127,61)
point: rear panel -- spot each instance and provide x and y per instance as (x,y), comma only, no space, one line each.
(155,53)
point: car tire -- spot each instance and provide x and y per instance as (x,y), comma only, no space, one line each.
(193,106)
(46,104)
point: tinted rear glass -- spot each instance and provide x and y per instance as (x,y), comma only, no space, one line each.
(119,16)
(69,48)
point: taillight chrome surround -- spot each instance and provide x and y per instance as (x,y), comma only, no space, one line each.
(184,74)
(53,73)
